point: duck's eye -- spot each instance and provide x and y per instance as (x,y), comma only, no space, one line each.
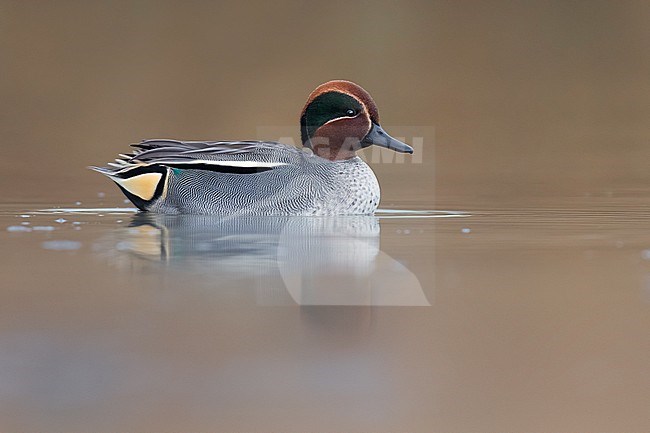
(351,112)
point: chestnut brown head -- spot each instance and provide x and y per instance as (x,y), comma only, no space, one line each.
(340,118)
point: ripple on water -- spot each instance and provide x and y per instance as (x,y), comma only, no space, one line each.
(407,213)
(16,229)
(86,211)
(380,213)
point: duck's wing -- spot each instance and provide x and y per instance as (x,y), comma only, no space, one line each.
(243,157)
(267,151)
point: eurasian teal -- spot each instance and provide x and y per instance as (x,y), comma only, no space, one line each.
(264,177)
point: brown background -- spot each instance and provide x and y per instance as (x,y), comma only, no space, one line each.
(524,96)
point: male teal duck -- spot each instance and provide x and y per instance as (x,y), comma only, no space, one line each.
(263,177)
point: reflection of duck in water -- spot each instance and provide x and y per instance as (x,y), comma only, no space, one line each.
(317,260)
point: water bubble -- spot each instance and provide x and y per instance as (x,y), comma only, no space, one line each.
(25,223)
(76,223)
(78,203)
(466,230)
(60,220)
(43,228)
(25,216)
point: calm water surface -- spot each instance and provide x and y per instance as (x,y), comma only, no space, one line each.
(487,317)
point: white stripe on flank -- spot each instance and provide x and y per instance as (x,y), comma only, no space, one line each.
(143,185)
(251,164)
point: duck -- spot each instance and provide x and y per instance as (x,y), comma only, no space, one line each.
(324,177)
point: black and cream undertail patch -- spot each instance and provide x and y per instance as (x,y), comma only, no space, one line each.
(142,185)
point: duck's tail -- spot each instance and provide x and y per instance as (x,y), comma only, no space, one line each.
(141,184)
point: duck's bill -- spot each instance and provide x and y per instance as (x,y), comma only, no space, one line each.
(379,137)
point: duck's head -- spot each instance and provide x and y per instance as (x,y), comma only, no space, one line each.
(340,118)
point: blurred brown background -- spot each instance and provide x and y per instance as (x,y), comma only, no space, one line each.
(525,97)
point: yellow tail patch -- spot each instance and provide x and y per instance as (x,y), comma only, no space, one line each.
(143,185)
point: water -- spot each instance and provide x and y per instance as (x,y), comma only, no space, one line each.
(486,315)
